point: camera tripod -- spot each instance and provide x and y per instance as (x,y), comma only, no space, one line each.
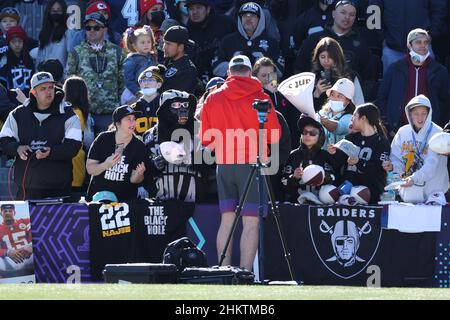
(262,108)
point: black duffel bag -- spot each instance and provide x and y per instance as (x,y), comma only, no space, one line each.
(184,253)
(217,275)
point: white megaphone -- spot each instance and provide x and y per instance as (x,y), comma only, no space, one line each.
(298,89)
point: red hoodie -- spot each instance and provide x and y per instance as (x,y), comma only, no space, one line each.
(227,113)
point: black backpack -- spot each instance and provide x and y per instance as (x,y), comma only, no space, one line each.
(184,253)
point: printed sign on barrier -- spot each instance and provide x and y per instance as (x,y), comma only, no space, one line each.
(16,248)
(345,238)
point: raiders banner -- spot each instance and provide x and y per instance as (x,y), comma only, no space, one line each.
(345,238)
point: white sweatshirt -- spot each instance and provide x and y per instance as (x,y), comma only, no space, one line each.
(432,174)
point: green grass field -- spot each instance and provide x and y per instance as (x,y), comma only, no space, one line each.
(212,292)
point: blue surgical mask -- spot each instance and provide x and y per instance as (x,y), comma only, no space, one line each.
(337,106)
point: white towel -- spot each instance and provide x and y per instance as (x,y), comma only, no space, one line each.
(411,218)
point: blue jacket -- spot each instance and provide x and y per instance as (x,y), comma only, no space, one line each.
(391,95)
(133,65)
(399,17)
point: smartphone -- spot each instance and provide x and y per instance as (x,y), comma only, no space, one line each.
(119,148)
(326,75)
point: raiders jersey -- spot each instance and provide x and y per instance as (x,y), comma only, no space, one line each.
(368,171)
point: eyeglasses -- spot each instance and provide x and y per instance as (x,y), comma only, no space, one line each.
(89,28)
(178,104)
(311,133)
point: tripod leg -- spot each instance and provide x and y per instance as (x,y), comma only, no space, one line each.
(238,213)
(276,215)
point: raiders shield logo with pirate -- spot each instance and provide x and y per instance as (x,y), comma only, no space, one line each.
(345,238)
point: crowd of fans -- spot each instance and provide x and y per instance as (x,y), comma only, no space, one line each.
(382,83)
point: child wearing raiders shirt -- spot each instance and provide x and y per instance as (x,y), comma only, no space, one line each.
(370,136)
(116,158)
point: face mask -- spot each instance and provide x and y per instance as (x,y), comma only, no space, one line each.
(337,106)
(57,17)
(418,58)
(149,91)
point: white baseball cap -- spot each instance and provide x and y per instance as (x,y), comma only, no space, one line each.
(240,60)
(417,101)
(343,86)
(40,78)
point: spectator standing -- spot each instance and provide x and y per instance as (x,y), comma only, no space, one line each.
(328,64)
(206,28)
(44,135)
(309,151)
(150,81)
(400,17)
(336,113)
(140,44)
(265,70)
(251,40)
(313,20)
(417,73)
(230,108)
(96,7)
(183,180)
(100,63)
(424,170)
(356,51)
(370,136)
(76,94)
(54,36)
(18,67)
(116,159)
(10,17)
(181,73)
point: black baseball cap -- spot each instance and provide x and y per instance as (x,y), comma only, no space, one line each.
(122,112)
(203,2)
(250,7)
(178,34)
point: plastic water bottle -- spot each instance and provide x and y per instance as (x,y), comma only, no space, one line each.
(390,194)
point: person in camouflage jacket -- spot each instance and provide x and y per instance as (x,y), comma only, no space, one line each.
(100,63)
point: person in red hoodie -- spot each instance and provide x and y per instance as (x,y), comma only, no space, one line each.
(229,126)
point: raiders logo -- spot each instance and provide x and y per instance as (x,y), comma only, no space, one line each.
(345,238)
(171,72)
(22,226)
(263,44)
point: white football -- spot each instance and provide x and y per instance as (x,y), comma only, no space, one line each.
(173,152)
(313,175)
(361,194)
(440,143)
(329,194)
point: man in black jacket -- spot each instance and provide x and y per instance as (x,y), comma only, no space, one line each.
(250,40)
(356,51)
(181,73)
(43,135)
(206,29)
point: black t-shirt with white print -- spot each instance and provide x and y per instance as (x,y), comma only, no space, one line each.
(116,178)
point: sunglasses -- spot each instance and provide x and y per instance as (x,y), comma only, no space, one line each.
(178,104)
(89,28)
(311,133)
